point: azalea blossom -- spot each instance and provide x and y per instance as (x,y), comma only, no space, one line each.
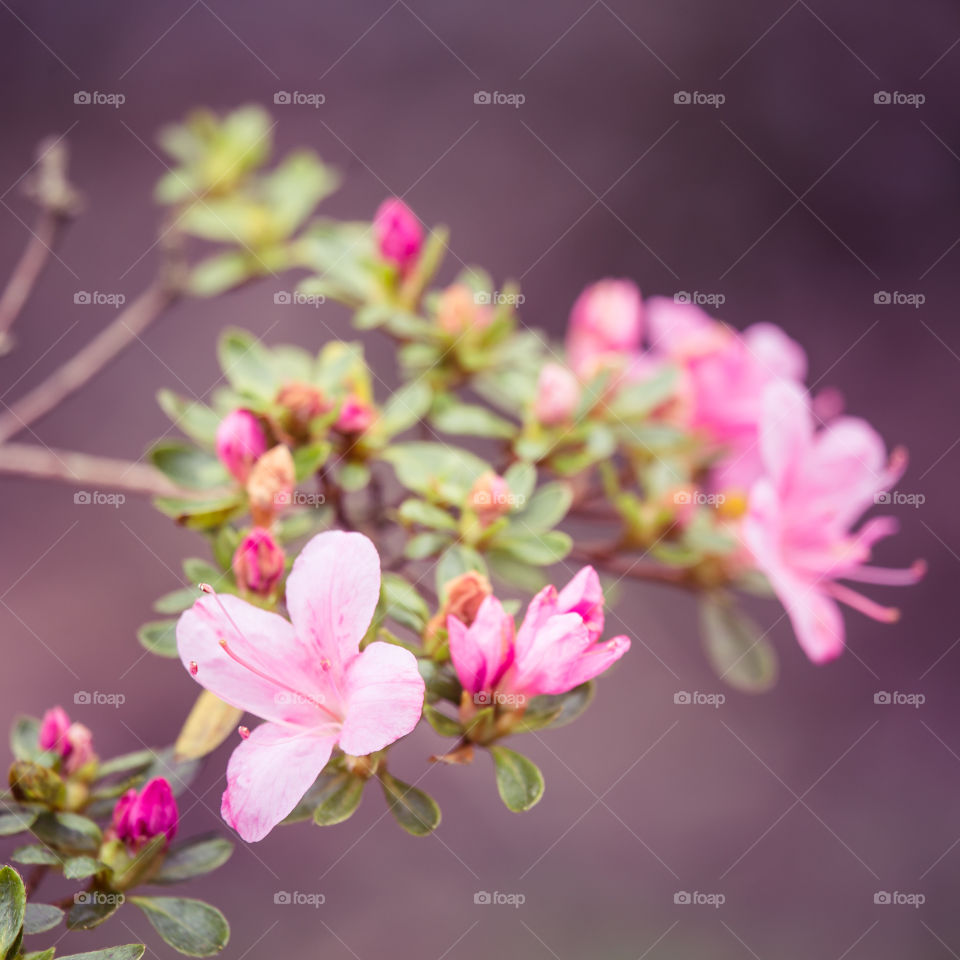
(554,650)
(307,679)
(558,394)
(138,817)
(606,323)
(240,442)
(723,376)
(800,515)
(398,233)
(72,742)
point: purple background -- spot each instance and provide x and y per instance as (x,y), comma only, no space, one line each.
(798,200)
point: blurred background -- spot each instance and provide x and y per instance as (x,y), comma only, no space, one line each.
(798,199)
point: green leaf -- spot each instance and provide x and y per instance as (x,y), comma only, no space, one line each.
(521,478)
(295,186)
(200,514)
(434,470)
(538,549)
(246,364)
(457,559)
(444,725)
(40,917)
(546,508)
(41,954)
(208,724)
(196,420)
(737,649)
(193,858)
(188,466)
(179,773)
(190,926)
(638,398)
(556,710)
(440,679)
(69,832)
(424,545)
(338,800)
(472,420)
(79,868)
(126,763)
(402,602)
(417,812)
(15,819)
(307,460)
(130,951)
(221,272)
(91,908)
(353,476)
(159,637)
(406,407)
(13,903)
(176,601)
(35,854)
(24,738)
(519,781)
(426,515)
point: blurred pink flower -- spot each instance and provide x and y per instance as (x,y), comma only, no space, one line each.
(490,497)
(308,680)
(240,442)
(606,323)
(723,376)
(817,484)
(558,393)
(355,416)
(398,232)
(554,650)
(138,817)
(258,562)
(72,742)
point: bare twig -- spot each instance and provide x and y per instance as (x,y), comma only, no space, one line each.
(80,468)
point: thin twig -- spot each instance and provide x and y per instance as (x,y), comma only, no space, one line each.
(44,463)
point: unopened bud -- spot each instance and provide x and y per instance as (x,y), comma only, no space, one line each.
(270,485)
(301,402)
(355,416)
(489,498)
(458,311)
(258,562)
(240,442)
(398,232)
(558,394)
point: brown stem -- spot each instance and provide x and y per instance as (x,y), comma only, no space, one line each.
(35,878)
(120,333)
(80,468)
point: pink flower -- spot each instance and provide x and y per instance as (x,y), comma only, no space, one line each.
(139,817)
(240,442)
(355,416)
(554,650)
(490,498)
(398,232)
(558,393)
(724,374)
(308,680)
(798,525)
(72,742)
(606,323)
(258,562)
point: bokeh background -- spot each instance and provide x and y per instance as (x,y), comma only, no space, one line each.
(799,199)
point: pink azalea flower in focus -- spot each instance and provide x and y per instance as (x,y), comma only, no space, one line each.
(606,323)
(554,650)
(798,524)
(138,817)
(258,562)
(724,374)
(308,679)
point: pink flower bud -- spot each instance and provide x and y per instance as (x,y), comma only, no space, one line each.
(53,731)
(79,753)
(398,232)
(138,817)
(460,309)
(489,498)
(558,393)
(258,562)
(606,319)
(240,442)
(355,416)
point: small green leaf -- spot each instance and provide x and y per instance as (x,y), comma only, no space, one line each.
(519,781)
(521,478)
(221,272)
(15,819)
(41,954)
(456,560)
(193,858)
(538,549)
(546,508)
(196,420)
(177,600)
(35,854)
(126,763)
(424,545)
(159,637)
(556,710)
(91,908)
(24,738)
(406,407)
(246,364)
(69,832)
(435,470)
(472,420)
(338,800)
(13,903)
(188,466)
(426,514)
(130,951)
(189,926)
(402,603)
(440,679)
(353,476)
(444,725)
(79,868)
(307,460)
(737,649)
(200,514)
(40,917)
(417,812)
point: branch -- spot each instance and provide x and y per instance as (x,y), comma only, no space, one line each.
(80,468)
(120,333)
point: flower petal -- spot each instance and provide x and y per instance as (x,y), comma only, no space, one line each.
(549,656)
(786,432)
(278,679)
(482,652)
(269,773)
(584,595)
(332,592)
(383,692)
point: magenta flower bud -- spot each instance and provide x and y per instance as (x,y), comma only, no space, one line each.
(355,416)
(558,393)
(258,562)
(138,817)
(53,731)
(79,752)
(240,442)
(606,320)
(398,232)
